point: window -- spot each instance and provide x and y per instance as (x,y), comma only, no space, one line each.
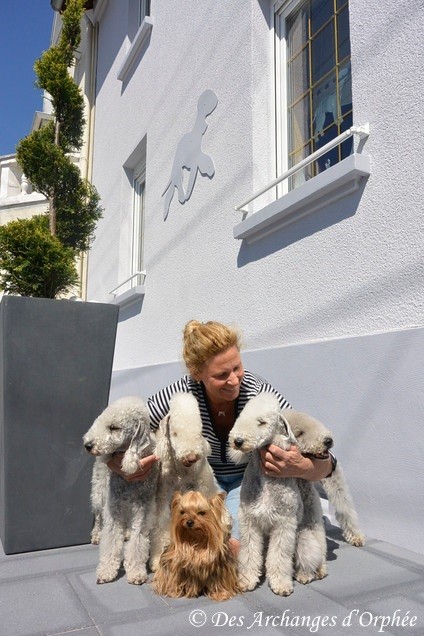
(131,271)
(314,88)
(143,10)
(137,258)
(140,25)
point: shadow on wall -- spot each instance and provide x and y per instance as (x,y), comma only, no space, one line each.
(300,229)
(132,310)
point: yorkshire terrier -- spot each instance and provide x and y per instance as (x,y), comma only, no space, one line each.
(199,559)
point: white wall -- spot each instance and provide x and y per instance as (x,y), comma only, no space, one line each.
(352,270)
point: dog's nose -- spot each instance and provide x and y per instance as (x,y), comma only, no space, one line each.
(238,442)
(328,442)
(190,459)
(189,523)
(88,446)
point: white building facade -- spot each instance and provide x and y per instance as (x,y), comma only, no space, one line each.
(324,272)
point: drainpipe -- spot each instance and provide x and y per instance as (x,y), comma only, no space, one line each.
(86,157)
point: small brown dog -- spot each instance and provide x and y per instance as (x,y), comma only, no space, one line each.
(198,559)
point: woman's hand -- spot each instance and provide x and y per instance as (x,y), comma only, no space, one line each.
(277,462)
(145,466)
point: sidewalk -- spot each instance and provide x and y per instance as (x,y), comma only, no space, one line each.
(378,589)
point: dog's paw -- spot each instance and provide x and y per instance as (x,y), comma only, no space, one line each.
(106,575)
(304,578)
(357,540)
(104,579)
(322,572)
(282,587)
(247,584)
(136,579)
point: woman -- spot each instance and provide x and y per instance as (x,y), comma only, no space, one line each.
(221,385)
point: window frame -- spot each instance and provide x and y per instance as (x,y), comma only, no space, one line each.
(143,11)
(282,12)
(137,229)
(341,180)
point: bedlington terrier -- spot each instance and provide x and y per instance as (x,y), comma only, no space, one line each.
(313,438)
(129,506)
(183,466)
(272,508)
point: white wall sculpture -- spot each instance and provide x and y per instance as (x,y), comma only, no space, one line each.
(189,154)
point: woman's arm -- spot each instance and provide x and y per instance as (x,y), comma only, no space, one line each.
(277,462)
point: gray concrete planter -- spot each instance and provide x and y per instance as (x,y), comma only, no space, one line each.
(55,368)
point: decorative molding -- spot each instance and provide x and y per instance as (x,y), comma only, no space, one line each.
(338,181)
(141,35)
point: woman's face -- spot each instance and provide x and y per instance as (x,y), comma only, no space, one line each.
(222,375)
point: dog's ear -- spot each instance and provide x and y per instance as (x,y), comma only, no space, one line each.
(164,424)
(206,448)
(287,432)
(176,499)
(139,442)
(220,496)
(220,512)
(217,500)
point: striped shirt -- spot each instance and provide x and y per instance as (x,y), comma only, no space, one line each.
(250,386)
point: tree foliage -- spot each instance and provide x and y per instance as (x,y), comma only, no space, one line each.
(74,204)
(34,262)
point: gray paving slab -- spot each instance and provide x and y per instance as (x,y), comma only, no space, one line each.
(378,589)
(40,605)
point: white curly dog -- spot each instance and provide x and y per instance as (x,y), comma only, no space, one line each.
(184,466)
(128,506)
(282,512)
(314,439)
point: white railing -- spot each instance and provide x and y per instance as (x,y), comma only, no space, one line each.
(361,131)
(127,280)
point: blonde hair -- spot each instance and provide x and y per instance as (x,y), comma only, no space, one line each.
(202,340)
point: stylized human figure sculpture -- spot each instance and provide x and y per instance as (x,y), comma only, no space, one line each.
(189,154)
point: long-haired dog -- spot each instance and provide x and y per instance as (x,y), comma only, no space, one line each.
(125,509)
(278,517)
(198,559)
(183,465)
(315,440)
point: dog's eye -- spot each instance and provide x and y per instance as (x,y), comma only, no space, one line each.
(261,422)
(112,427)
(202,512)
(299,434)
(181,512)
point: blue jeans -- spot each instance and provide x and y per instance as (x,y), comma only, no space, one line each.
(231,485)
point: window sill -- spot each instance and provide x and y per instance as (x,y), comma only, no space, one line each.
(133,295)
(141,35)
(338,181)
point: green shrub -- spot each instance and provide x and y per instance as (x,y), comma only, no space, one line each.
(33,262)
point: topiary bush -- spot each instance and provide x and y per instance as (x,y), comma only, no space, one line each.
(38,255)
(34,262)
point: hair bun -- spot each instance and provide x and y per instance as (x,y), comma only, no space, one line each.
(190,327)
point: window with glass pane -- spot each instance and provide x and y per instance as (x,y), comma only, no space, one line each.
(143,10)
(139,187)
(319,88)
